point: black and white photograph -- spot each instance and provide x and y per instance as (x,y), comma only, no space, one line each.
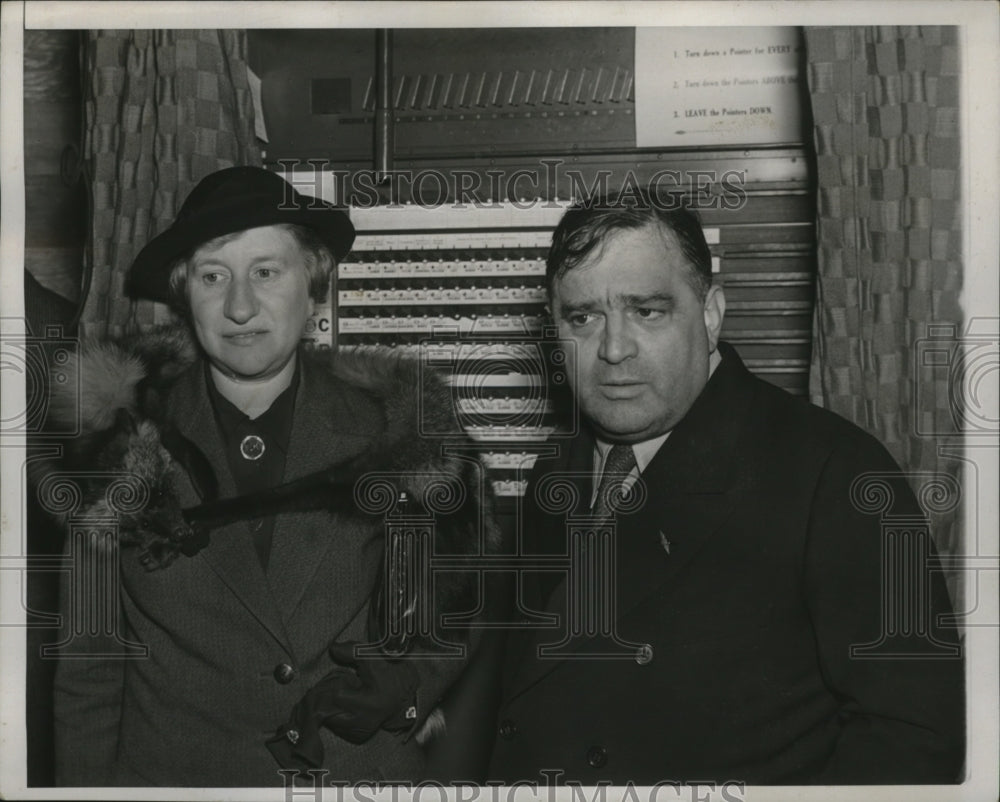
(495,401)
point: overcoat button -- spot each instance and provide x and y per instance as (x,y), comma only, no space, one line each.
(252,447)
(644,654)
(597,757)
(508,729)
(284,673)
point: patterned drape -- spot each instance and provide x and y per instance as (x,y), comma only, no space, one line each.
(163,109)
(885,111)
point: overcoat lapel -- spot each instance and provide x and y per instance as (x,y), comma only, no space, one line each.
(689,496)
(543,593)
(230,552)
(324,433)
(682,513)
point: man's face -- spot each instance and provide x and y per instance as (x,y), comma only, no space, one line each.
(639,336)
(249,300)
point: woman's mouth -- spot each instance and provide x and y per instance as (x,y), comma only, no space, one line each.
(243,337)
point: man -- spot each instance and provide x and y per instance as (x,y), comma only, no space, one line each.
(251,666)
(743,574)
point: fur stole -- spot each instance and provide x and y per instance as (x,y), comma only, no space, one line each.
(124,429)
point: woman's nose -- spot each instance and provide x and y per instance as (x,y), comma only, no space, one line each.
(241,302)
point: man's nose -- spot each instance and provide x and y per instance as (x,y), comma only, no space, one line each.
(241,302)
(617,342)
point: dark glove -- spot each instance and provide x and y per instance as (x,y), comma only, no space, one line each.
(355,700)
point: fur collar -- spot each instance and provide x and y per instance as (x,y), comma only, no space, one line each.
(123,429)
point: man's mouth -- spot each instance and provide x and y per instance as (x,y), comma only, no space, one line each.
(621,389)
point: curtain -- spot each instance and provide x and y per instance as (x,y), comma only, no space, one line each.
(885,113)
(162,110)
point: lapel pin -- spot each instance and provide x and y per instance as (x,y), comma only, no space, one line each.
(665,543)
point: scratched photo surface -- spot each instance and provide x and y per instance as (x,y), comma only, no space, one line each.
(559,400)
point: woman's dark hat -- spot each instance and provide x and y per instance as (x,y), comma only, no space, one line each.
(231,200)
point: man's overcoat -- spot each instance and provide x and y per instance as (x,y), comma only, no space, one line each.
(776,599)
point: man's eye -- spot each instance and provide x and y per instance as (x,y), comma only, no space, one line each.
(211,278)
(266,272)
(580,319)
(648,313)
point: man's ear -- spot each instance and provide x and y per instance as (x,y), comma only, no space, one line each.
(715,311)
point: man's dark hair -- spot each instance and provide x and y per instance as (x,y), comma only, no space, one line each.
(587,225)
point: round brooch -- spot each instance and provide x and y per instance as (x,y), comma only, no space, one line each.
(252,447)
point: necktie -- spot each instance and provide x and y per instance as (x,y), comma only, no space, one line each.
(620,461)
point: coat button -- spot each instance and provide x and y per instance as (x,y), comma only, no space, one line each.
(284,673)
(597,757)
(644,654)
(508,729)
